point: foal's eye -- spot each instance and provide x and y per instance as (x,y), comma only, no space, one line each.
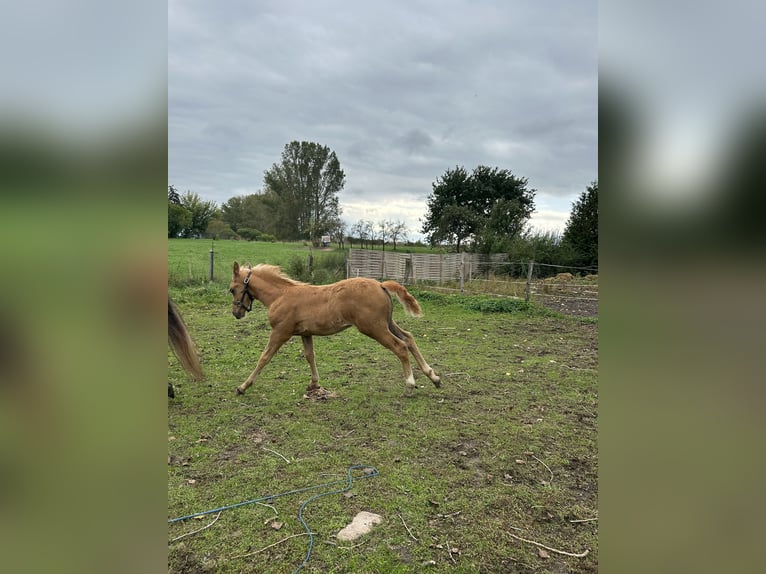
(231,291)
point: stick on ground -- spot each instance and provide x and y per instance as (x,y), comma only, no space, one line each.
(198,530)
(580,555)
(407,528)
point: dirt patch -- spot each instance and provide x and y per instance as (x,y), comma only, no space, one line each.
(320,394)
(569,298)
(569,305)
(181,561)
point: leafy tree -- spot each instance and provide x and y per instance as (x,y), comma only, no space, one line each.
(456,224)
(305,186)
(173,196)
(179,219)
(449,217)
(200,213)
(218,229)
(256,211)
(233,213)
(581,231)
(488,204)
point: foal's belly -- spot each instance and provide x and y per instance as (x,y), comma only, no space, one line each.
(309,328)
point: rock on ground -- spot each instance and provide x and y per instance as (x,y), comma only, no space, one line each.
(361,524)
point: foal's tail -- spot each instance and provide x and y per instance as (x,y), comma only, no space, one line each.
(411,306)
(182,344)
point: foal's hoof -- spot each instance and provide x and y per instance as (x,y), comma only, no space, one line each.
(240,391)
(437,383)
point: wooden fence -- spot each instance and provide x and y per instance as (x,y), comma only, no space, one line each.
(454,271)
(433,267)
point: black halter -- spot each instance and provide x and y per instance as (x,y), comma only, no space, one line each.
(241,302)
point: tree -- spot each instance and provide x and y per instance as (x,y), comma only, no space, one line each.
(396,231)
(306,185)
(200,213)
(368,232)
(384,226)
(256,211)
(456,224)
(365,231)
(581,231)
(477,207)
(449,218)
(218,229)
(173,196)
(338,232)
(179,219)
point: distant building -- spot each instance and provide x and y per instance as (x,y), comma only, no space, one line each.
(325,240)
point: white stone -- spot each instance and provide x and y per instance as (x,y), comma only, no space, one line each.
(361,524)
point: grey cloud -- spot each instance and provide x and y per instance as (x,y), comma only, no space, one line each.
(401,91)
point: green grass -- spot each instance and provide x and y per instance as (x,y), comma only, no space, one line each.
(189,259)
(519,384)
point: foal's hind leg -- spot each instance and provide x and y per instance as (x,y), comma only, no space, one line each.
(397,346)
(276,340)
(409,340)
(308,352)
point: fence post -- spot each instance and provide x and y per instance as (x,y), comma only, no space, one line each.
(212,260)
(462,272)
(441,267)
(529,281)
(407,270)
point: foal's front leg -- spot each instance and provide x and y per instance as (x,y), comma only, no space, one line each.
(308,352)
(276,340)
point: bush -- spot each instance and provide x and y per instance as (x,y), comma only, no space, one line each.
(487,305)
(317,269)
(251,234)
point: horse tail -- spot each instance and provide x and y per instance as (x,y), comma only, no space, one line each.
(182,344)
(409,302)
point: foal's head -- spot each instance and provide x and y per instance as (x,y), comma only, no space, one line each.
(241,291)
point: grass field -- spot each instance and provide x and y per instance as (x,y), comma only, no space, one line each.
(506,449)
(189,259)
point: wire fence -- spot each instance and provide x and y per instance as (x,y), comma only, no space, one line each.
(494,274)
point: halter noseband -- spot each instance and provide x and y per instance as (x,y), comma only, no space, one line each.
(241,302)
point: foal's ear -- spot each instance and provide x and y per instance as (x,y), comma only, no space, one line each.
(236,269)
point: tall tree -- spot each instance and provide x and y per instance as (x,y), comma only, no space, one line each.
(477,206)
(306,185)
(179,219)
(581,231)
(449,219)
(173,196)
(256,211)
(200,212)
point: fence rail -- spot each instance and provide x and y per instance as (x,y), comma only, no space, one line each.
(492,274)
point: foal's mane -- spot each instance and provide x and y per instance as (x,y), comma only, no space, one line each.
(274,274)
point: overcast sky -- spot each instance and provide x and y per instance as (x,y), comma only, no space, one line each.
(402,91)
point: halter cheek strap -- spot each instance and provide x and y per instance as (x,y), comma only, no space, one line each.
(241,302)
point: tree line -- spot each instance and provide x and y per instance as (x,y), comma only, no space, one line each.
(485,210)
